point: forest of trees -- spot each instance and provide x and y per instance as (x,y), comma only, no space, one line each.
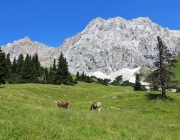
(29,70)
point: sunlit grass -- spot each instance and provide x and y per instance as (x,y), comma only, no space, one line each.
(29,111)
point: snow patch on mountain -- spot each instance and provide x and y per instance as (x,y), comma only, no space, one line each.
(127,74)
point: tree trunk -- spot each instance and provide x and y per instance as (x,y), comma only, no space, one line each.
(163,96)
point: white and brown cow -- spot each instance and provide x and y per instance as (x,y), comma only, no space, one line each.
(63,104)
(96,105)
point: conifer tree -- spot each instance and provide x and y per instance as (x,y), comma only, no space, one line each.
(28,72)
(54,65)
(14,66)
(51,77)
(34,71)
(137,85)
(83,76)
(36,63)
(62,70)
(2,67)
(77,75)
(15,77)
(46,75)
(8,66)
(20,62)
(162,75)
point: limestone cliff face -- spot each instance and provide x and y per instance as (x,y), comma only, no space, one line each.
(104,45)
(109,45)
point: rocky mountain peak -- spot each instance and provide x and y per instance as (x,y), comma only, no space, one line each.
(104,45)
(109,45)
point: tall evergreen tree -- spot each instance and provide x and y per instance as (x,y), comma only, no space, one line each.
(62,70)
(2,67)
(20,62)
(28,72)
(8,66)
(162,75)
(54,65)
(46,75)
(77,75)
(14,77)
(51,77)
(137,85)
(83,76)
(14,66)
(36,63)
(34,71)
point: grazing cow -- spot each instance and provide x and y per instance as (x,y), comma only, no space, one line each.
(63,104)
(96,105)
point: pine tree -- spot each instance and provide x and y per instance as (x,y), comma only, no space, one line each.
(77,75)
(162,75)
(137,85)
(62,70)
(70,79)
(8,66)
(15,77)
(20,62)
(54,65)
(2,67)
(14,66)
(51,77)
(83,76)
(34,71)
(36,63)
(46,75)
(28,73)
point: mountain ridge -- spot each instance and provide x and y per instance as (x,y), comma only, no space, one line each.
(104,45)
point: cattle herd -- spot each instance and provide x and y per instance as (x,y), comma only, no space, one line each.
(94,106)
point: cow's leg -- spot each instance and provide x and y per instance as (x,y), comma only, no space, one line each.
(92,109)
(99,109)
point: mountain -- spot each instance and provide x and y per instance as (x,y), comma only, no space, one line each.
(104,45)
(25,45)
(116,43)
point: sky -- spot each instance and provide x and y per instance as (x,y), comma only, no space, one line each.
(52,21)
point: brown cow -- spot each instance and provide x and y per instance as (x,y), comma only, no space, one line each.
(63,104)
(96,105)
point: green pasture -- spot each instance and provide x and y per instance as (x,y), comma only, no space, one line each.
(30,112)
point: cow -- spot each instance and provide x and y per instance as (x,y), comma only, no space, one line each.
(96,105)
(63,104)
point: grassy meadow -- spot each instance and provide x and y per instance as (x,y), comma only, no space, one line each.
(30,112)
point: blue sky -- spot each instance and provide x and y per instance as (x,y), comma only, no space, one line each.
(52,21)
